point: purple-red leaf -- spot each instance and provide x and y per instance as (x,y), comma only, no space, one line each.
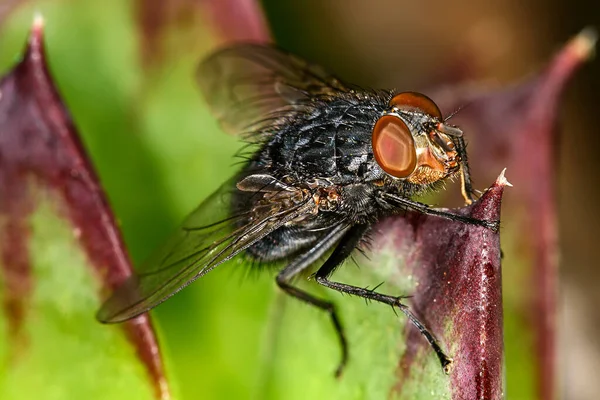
(41,156)
(456,271)
(516,128)
(227,21)
(6,7)
(238,20)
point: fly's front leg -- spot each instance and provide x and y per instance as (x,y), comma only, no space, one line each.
(466,187)
(425,209)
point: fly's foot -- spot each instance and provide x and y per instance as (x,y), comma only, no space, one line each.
(494,226)
(340,369)
(445,361)
(447,364)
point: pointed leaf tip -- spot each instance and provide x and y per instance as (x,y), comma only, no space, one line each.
(38,22)
(502,181)
(43,162)
(239,20)
(226,21)
(584,44)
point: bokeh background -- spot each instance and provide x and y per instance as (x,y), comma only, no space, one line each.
(125,69)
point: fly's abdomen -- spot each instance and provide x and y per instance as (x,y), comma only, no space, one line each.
(282,244)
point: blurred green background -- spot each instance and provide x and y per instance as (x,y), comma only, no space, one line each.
(126,73)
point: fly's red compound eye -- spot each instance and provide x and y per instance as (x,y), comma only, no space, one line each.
(413,101)
(394,146)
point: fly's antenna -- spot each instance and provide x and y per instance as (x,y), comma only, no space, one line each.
(453,113)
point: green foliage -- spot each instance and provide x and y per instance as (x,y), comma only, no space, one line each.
(159,153)
(60,352)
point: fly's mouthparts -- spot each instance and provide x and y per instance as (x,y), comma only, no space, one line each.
(449,130)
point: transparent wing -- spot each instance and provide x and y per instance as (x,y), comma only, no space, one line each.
(207,238)
(252,86)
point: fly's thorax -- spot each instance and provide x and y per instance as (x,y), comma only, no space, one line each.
(279,195)
(332,142)
(326,198)
(351,202)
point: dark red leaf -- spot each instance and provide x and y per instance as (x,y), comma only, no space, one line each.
(516,127)
(6,7)
(40,148)
(219,20)
(459,293)
(238,20)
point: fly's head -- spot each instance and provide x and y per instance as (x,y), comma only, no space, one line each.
(411,141)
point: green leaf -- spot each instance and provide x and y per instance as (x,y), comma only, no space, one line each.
(60,251)
(59,351)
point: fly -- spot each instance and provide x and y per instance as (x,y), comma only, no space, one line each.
(325,162)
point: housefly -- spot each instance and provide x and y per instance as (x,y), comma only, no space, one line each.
(326,161)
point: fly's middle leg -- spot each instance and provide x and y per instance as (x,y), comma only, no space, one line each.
(300,264)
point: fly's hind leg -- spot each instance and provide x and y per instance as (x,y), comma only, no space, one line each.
(340,253)
(300,264)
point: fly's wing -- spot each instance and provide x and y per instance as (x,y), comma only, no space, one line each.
(207,238)
(251,87)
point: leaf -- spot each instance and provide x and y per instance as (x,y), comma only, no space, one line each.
(455,270)
(227,20)
(451,270)
(61,250)
(516,127)
(159,154)
(6,7)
